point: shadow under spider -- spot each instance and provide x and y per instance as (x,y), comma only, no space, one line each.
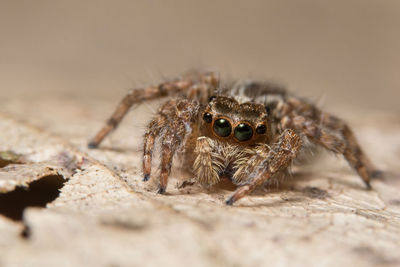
(225,184)
(272,204)
(293,194)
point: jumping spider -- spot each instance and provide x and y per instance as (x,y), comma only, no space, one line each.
(249,132)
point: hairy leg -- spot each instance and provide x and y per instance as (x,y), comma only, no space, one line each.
(268,163)
(353,153)
(331,133)
(193,84)
(173,125)
(153,129)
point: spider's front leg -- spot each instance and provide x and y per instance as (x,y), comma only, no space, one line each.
(172,125)
(266,163)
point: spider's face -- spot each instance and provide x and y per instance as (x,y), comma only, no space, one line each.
(226,119)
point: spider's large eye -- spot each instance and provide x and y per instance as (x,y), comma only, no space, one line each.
(243,132)
(222,127)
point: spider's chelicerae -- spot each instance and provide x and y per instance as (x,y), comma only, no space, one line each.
(248,132)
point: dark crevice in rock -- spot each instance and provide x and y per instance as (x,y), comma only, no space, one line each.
(38,194)
(9,157)
(4,163)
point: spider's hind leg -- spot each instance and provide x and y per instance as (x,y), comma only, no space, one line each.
(353,152)
(335,135)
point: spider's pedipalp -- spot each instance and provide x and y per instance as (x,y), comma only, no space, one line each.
(208,165)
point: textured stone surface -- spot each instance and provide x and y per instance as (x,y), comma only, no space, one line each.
(106,216)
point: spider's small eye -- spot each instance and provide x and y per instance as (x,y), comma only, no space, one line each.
(243,132)
(222,127)
(267,109)
(261,129)
(212,98)
(207,117)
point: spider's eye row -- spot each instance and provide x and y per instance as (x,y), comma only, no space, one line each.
(212,98)
(207,117)
(243,132)
(222,127)
(261,129)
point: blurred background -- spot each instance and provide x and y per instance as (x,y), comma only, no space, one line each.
(346,51)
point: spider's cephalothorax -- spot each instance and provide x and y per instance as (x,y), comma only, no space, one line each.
(249,132)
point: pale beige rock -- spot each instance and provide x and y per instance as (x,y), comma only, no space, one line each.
(106,216)
(21,175)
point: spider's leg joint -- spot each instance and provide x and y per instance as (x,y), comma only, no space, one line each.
(112,122)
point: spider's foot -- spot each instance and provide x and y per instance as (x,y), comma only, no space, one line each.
(146,177)
(239,193)
(161,190)
(230,201)
(368,185)
(92,145)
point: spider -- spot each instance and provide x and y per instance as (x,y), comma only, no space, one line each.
(249,132)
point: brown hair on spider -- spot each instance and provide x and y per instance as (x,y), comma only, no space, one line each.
(250,132)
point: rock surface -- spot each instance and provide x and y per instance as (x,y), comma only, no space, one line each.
(105,215)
